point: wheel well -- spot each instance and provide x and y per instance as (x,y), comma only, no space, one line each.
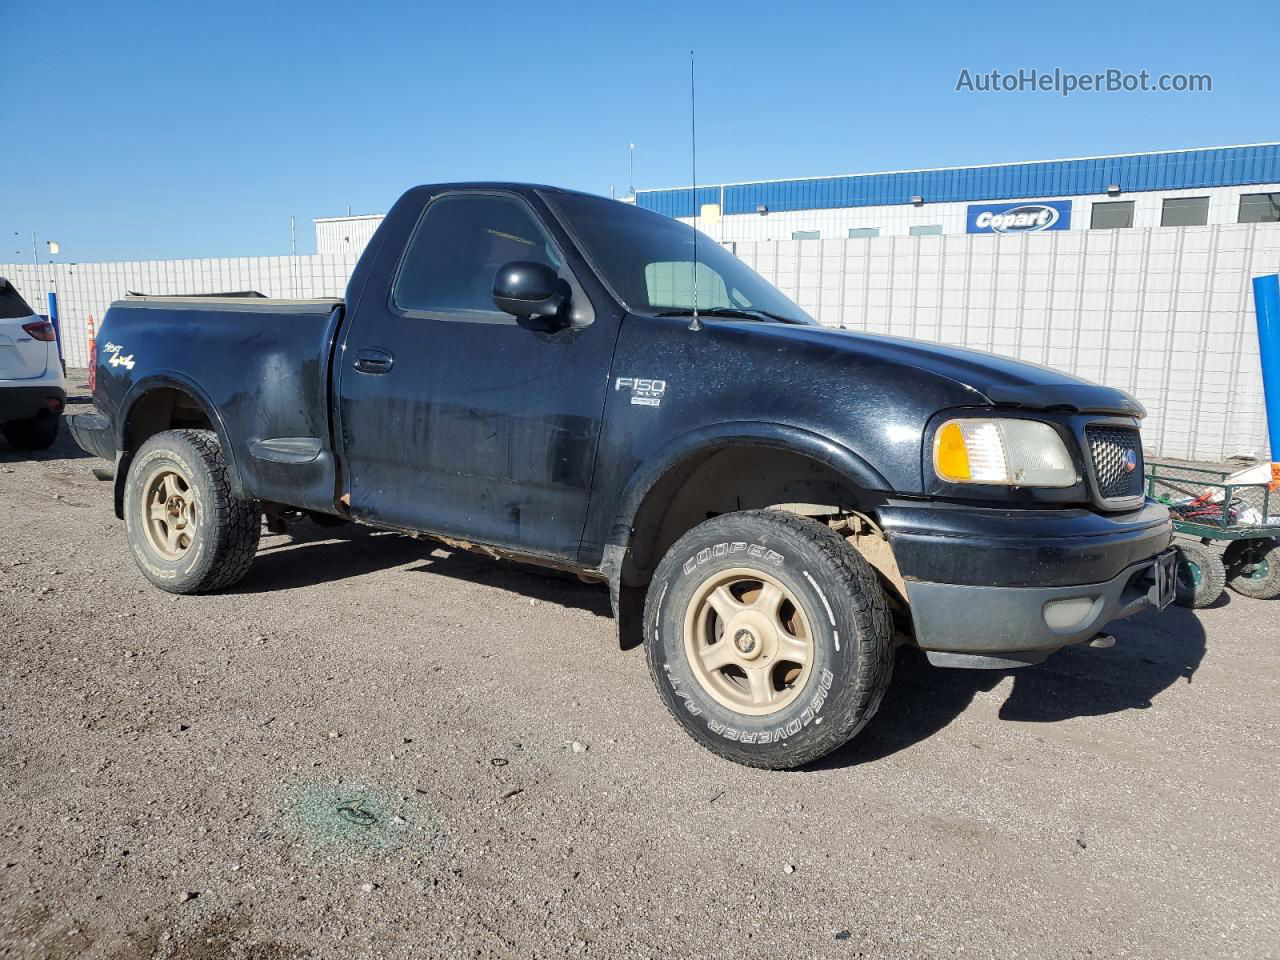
(157,410)
(729,479)
(747,477)
(164,408)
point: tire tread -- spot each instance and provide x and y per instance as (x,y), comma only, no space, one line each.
(1212,570)
(236,523)
(1267,588)
(868,607)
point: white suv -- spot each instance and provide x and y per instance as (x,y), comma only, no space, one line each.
(32,392)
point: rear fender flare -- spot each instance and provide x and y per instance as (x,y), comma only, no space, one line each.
(173,381)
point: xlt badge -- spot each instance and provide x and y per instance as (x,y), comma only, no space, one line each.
(644,392)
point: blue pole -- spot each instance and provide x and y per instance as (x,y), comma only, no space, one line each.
(1266,301)
(53,318)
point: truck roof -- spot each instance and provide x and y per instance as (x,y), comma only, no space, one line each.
(501,185)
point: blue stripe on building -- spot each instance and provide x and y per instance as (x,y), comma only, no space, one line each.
(1183,170)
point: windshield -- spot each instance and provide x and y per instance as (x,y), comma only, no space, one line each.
(648,261)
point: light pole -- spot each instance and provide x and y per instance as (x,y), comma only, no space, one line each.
(631,168)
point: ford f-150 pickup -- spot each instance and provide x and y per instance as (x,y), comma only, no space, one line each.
(567,380)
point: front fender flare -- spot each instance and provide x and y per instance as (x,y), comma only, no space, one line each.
(720,436)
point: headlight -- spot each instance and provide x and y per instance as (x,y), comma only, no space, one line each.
(1015,453)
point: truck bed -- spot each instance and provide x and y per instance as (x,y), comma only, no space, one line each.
(259,365)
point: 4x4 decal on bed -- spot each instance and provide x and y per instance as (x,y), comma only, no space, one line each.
(117,360)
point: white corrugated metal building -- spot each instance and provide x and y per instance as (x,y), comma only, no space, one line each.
(343,236)
(1176,188)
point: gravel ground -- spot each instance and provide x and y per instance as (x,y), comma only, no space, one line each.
(374,747)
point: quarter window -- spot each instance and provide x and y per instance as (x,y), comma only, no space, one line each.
(1260,208)
(1185,212)
(670,284)
(1111,216)
(457,249)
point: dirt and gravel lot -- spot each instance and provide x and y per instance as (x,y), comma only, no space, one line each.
(374,747)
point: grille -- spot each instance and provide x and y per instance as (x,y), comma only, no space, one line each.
(1113,450)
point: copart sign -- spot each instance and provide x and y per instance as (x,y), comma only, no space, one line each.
(1019,217)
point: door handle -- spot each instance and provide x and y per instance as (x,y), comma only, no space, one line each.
(373,361)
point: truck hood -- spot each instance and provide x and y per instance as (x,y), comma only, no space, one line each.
(995,380)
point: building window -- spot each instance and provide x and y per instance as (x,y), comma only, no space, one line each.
(1110,216)
(855,232)
(805,234)
(1185,212)
(926,230)
(1260,208)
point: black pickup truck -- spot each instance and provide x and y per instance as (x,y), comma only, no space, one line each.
(774,505)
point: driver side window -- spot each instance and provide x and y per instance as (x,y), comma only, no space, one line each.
(456,250)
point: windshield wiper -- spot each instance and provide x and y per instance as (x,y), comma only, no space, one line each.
(741,313)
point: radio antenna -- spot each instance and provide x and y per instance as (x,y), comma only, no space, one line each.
(695,323)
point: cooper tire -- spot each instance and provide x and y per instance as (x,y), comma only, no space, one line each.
(38,433)
(187,529)
(1253,568)
(1201,576)
(832,602)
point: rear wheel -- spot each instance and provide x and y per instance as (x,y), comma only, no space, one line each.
(1201,575)
(188,530)
(38,433)
(1253,568)
(768,637)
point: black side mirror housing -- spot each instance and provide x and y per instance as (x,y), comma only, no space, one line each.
(533,293)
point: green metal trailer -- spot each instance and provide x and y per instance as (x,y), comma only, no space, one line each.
(1210,509)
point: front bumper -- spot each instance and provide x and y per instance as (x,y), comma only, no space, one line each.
(28,402)
(1001,588)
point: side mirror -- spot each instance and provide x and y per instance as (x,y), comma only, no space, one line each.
(533,293)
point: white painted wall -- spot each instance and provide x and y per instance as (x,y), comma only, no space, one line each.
(1165,313)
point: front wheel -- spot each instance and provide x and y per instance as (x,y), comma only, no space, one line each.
(769,638)
(187,528)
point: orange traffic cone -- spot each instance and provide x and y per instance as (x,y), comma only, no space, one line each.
(93,356)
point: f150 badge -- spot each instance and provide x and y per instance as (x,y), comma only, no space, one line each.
(644,393)
(116,359)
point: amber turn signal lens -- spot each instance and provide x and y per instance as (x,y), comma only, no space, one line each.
(952,454)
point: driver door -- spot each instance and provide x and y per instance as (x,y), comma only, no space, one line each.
(457,420)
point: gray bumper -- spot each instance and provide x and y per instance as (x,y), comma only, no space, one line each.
(92,433)
(998,627)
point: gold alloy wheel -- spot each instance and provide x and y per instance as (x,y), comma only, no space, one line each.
(748,641)
(170,513)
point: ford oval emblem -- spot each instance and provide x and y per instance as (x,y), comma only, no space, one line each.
(1130,461)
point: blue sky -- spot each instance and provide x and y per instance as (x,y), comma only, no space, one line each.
(180,130)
